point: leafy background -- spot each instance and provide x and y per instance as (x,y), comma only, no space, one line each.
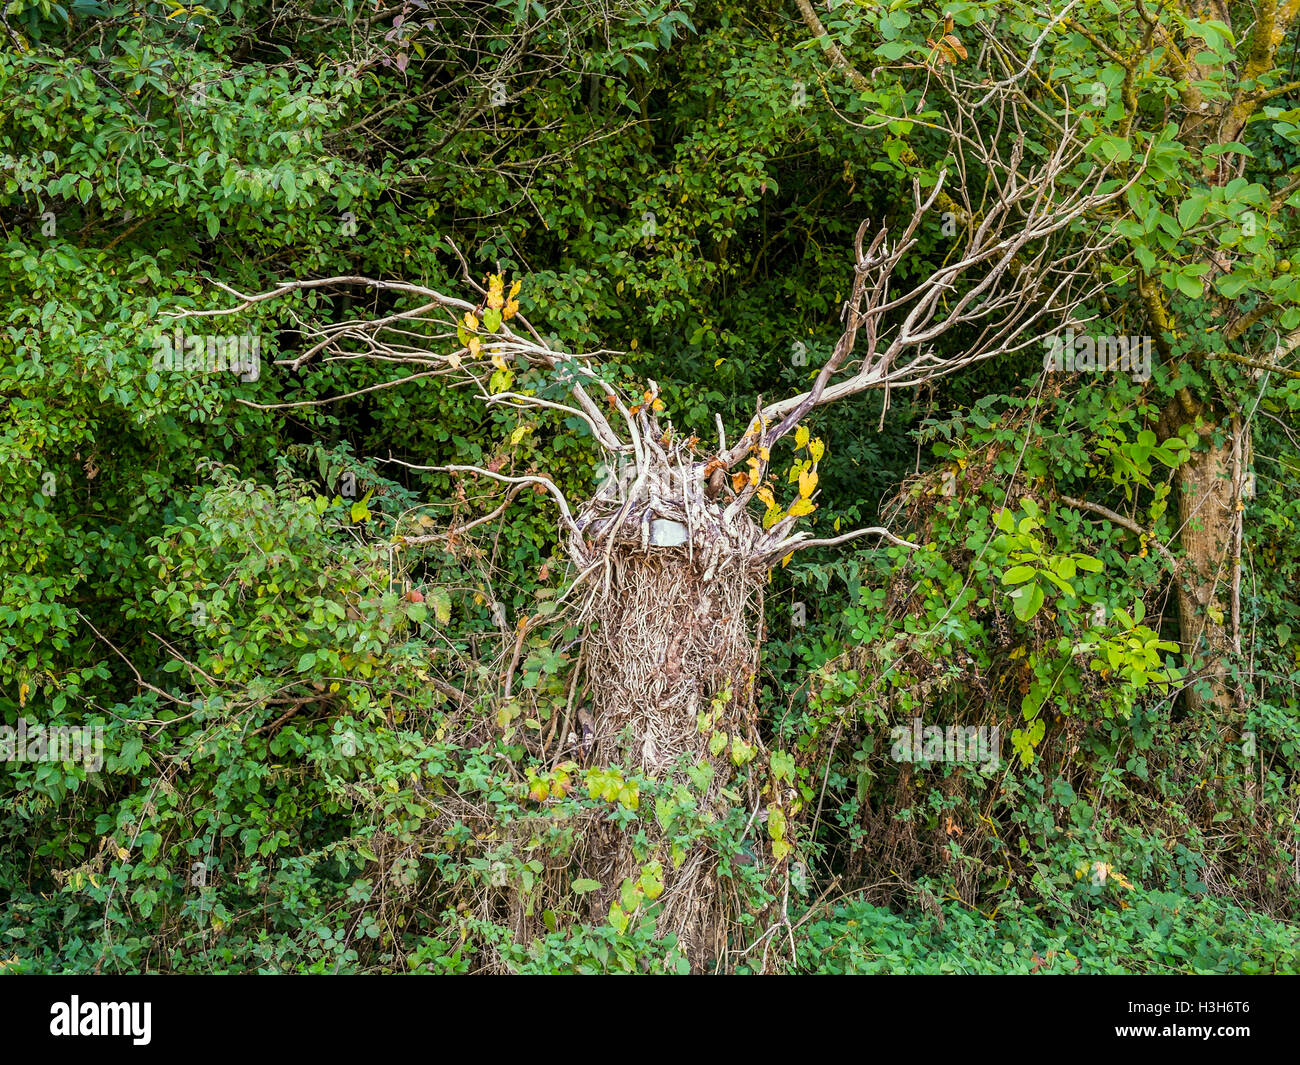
(309,770)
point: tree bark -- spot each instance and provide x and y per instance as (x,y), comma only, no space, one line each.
(1208,513)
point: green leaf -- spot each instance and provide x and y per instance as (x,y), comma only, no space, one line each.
(440,599)
(359,512)
(1192,208)
(1018,574)
(1027,601)
(1234,284)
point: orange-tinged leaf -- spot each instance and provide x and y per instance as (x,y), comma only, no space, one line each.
(738,481)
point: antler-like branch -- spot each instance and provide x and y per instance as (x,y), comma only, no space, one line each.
(429,335)
(1013,284)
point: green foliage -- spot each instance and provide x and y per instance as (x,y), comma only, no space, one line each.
(1159,933)
(311,762)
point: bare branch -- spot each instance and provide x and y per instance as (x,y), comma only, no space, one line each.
(1123,523)
(1016,281)
(545,482)
(800,541)
(390,338)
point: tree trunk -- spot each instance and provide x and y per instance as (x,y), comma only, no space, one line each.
(1209,488)
(671,664)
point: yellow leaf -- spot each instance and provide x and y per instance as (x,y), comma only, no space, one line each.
(786,561)
(807,483)
(802,506)
(471,322)
(499,361)
(453,360)
(801,438)
(816,449)
(474,345)
(765,495)
(514,289)
(123,853)
(518,434)
(765,453)
(23,689)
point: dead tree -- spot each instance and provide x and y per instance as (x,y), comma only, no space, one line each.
(670,558)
